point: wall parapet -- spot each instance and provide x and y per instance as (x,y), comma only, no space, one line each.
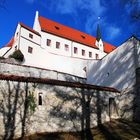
(29,71)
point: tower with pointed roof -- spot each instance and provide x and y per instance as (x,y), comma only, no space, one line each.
(99,42)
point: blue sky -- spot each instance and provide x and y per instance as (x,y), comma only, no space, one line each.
(82,15)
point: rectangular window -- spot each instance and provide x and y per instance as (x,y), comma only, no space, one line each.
(90,54)
(57,45)
(48,42)
(31,36)
(40,99)
(75,50)
(66,47)
(83,52)
(30,50)
(17,34)
(97,56)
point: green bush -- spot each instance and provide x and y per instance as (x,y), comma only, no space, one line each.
(17,55)
(31,103)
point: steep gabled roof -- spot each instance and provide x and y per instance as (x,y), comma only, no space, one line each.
(28,28)
(108,47)
(66,32)
(71,34)
(10,43)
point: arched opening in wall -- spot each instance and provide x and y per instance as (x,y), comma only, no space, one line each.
(40,99)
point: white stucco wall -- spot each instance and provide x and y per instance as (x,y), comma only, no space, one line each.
(100,44)
(71,45)
(17,36)
(50,57)
(4,50)
(87,50)
(116,70)
(52,48)
(43,58)
(25,33)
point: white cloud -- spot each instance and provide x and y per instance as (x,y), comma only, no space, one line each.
(91,8)
(112,32)
(73,6)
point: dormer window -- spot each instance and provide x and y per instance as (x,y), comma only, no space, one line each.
(57,45)
(83,36)
(57,28)
(31,36)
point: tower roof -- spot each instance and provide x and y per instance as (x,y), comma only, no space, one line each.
(98,33)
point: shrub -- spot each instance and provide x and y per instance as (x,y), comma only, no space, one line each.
(31,103)
(17,55)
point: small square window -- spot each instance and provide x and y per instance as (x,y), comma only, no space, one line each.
(75,50)
(15,47)
(48,42)
(66,47)
(90,54)
(30,50)
(83,52)
(57,45)
(31,36)
(97,56)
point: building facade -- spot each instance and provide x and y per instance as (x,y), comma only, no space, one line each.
(53,46)
(74,80)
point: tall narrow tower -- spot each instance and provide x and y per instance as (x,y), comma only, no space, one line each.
(36,25)
(99,42)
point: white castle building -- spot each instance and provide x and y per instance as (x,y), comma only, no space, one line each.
(53,46)
(76,81)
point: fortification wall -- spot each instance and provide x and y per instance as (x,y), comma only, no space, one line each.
(61,104)
(11,68)
(63,108)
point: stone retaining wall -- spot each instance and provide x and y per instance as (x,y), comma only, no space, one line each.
(63,108)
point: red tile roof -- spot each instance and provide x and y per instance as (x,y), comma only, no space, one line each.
(28,28)
(10,43)
(69,33)
(108,47)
